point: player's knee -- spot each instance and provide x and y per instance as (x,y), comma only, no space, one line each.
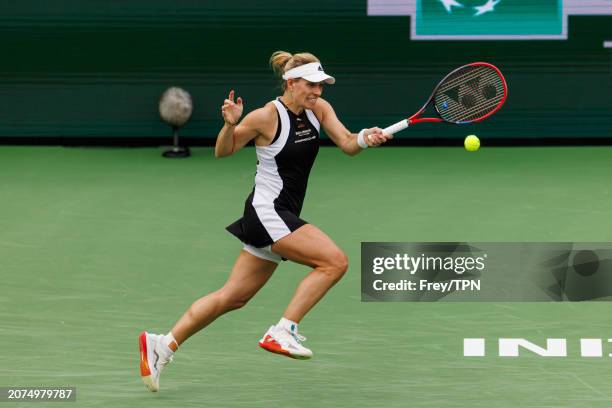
(342,265)
(337,265)
(237,304)
(231,301)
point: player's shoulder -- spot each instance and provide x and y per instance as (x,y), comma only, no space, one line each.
(321,108)
(270,108)
(263,114)
(322,105)
(268,111)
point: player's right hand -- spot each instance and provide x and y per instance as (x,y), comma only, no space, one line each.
(375,136)
(232,111)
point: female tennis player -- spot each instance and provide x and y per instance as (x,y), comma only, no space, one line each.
(286,136)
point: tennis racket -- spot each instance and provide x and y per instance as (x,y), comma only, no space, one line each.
(468,94)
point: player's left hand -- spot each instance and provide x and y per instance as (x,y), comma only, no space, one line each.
(375,137)
(231,111)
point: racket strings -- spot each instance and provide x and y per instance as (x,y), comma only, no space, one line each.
(480,108)
(464,76)
(467,78)
(478,92)
(478,111)
(488,80)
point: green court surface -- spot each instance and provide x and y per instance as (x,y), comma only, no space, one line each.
(99,244)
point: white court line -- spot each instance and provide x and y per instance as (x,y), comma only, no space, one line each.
(586,384)
(607,44)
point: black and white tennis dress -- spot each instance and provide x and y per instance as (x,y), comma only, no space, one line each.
(273,208)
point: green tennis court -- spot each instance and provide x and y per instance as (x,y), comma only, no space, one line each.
(99,244)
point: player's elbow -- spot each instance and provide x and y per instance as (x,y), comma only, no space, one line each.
(349,151)
(220,153)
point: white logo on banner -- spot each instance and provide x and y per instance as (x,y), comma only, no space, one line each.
(485,8)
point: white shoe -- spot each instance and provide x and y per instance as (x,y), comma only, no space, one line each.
(282,341)
(153,359)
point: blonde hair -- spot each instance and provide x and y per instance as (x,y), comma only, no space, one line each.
(283,61)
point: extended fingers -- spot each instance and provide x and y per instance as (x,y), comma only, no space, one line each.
(231,110)
(230,100)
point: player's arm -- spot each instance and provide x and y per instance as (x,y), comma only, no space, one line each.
(341,136)
(233,136)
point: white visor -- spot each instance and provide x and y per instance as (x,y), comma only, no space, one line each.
(312,72)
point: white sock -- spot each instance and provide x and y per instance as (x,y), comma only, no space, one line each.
(167,340)
(288,325)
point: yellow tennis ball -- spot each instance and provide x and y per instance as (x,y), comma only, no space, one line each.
(471,143)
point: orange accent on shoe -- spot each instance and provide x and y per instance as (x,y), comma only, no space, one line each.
(173,346)
(144,365)
(269,344)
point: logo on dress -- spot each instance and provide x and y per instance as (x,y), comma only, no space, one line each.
(303,135)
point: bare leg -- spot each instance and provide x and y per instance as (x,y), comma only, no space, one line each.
(248,275)
(310,246)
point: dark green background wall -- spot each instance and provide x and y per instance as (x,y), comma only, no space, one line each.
(97,68)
